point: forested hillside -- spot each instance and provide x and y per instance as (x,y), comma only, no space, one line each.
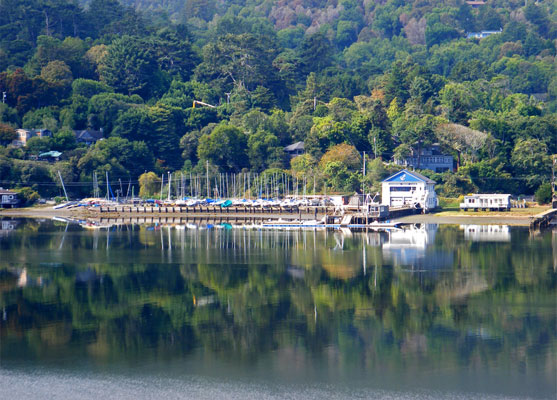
(346,77)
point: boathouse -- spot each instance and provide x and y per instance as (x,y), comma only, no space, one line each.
(8,199)
(409,188)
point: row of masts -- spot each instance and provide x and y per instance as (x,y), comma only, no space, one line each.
(222,185)
(240,185)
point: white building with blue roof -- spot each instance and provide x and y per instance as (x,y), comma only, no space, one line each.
(409,188)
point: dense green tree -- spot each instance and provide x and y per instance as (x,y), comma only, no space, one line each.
(531,160)
(88,88)
(7,134)
(224,147)
(264,150)
(117,156)
(64,140)
(130,67)
(149,183)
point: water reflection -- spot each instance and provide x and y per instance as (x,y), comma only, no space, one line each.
(318,304)
(487,233)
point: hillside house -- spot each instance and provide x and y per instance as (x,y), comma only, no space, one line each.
(23,135)
(481,35)
(88,136)
(431,158)
(295,149)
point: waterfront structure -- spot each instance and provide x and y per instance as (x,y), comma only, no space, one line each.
(431,158)
(8,199)
(409,188)
(491,202)
(23,135)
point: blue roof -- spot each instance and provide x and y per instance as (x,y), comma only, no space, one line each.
(408,176)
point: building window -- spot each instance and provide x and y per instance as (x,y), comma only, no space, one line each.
(400,189)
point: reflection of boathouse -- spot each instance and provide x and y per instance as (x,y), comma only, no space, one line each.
(7,226)
(412,247)
(487,233)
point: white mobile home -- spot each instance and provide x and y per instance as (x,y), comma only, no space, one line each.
(408,188)
(491,202)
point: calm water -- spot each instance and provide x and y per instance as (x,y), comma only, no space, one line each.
(161,312)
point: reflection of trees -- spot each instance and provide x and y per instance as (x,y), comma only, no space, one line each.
(109,304)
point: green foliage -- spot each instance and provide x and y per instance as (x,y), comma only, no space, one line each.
(27,196)
(543,193)
(7,134)
(130,67)
(149,184)
(116,156)
(88,88)
(388,78)
(224,147)
(64,140)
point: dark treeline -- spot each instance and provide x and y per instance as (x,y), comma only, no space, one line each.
(344,77)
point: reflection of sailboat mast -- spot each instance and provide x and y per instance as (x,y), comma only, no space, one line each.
(364,254)
(554,246)
(375,269)
(63,237)
(96,238)
(169,243)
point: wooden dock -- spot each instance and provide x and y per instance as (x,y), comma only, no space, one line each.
(238,214)
(543,220)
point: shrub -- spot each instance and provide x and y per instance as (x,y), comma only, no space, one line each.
(543,194)
(27,196)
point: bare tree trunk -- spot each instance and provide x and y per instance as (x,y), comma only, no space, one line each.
(47,23)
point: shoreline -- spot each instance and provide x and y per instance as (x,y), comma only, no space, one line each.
(518,219)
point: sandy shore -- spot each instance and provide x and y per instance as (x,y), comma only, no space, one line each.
(519,217)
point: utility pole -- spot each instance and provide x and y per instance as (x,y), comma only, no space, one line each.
(553,183)
(107,188)
(63,187)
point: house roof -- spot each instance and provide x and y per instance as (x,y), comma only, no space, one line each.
(487,195)
(88,135)
(52,153)
(295,146)
(408,176)
(6,191)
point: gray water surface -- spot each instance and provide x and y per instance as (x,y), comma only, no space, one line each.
(431,312)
